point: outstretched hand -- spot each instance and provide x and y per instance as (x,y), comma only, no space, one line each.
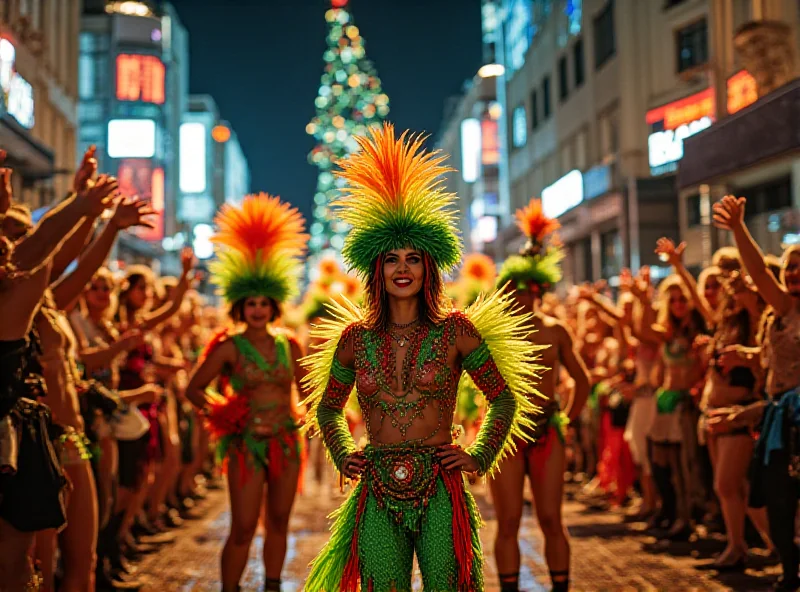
(132,212)
(86,171)
(666,248)
(729,212)
(98,196)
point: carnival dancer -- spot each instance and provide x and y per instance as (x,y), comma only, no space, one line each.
(528,276)
(253,417)
(776,463)
(404,352)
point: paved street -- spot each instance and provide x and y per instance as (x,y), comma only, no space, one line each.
(607,553)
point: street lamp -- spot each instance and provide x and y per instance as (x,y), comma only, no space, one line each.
(221,133)
(491,70)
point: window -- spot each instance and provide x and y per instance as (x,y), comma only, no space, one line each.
(693,216)
(546,107)
(605,45)
(611,253)
(692,44)
(86,76)
(534,109)
(519,127)
(563,82)
(608,135)
(577,58)
(775,195)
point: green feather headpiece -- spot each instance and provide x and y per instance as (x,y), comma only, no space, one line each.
(537,264)
(394,199)
(260,246)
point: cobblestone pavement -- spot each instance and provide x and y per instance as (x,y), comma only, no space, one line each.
(608,554)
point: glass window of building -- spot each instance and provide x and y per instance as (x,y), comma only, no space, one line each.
(580,150)
(693,215)
(86,76)
(546,106)
(563,80)
(692,45)
(577,61)
(534,109)
(605,43)
(608,135)
(611,253)
(519,127)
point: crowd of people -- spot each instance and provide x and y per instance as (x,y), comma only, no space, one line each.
(100,449)
(122,393)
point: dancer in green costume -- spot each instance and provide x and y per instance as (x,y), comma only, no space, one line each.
(404,353)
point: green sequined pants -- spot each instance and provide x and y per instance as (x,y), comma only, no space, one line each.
(386,548)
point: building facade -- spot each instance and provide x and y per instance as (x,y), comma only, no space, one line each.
(213,170)
(600,96)
(38,111)
(133,89)
(470,135)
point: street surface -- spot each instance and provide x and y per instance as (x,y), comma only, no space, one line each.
(608,554)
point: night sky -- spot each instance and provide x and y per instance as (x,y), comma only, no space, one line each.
(262,61)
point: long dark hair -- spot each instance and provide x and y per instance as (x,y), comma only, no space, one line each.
(433,302)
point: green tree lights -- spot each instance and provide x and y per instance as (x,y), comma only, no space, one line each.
(350,100)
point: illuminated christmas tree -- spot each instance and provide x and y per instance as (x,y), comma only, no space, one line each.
(350,100)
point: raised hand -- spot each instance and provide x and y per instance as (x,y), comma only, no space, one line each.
(669,252)
(131,212)
(6,192)
(729,212)
(188,260)
(86,171)
(98,196)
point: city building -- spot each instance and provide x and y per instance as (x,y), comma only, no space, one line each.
(213,171)
(753,149)
(469,134)
(38,111)
(599,96)
(133,86)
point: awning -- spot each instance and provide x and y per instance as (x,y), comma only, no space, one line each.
(767,129)
(25,154)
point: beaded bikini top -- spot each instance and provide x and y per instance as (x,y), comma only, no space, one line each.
(252,370)
(426,379)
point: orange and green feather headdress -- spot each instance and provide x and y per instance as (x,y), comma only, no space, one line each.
(477,275)
(537,263)
(260,245)
(394,199)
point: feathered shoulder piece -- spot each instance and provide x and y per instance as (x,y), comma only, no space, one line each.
(506,333)
(343,317)
(394,198)
(260,242)
(538,263)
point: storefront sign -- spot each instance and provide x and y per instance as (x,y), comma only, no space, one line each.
(17,92)
(680,119)
(140,78)
(563,195)
(596,181)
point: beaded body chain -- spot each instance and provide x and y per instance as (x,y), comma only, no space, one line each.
(425,378)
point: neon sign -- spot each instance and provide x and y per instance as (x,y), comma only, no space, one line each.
(17,92)
(140,78)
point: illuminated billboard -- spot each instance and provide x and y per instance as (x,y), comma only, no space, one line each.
(140,78)
(140,177)
(470,150)
(17,93)
(490,142)
(563,195)
(131,138)
(193,161)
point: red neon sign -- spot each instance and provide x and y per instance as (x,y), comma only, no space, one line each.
(742,92)
(140,78)
(138,177)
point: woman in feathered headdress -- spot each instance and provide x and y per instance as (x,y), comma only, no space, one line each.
(256,366)
(528,276)
(404,354)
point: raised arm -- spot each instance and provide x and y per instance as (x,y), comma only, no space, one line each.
(158,316)
(674,256)
(39,246)
(101,356)
(128,213)
(729,215)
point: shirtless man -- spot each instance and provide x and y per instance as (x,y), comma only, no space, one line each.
(543,462)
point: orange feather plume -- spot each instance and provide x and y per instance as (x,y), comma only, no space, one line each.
(479,267)
(533,222)
(262,223)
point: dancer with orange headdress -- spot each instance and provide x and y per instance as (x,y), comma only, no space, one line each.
(254,417)
(404,352)
(528,276)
